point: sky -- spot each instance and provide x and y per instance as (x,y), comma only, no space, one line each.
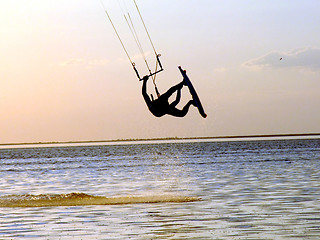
(65,77)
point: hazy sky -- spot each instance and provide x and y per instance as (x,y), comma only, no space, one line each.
(64,75)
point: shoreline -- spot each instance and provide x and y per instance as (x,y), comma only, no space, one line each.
(164,139)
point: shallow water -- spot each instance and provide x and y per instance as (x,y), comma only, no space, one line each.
(248,190)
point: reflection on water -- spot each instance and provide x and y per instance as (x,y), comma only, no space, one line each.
(248,190)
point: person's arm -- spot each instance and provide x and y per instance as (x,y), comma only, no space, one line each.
(144,90)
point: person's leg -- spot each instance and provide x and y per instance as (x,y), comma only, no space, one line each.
(181,113)
(178,97)
(172,90)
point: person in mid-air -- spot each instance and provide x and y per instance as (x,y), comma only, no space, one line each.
(161,106)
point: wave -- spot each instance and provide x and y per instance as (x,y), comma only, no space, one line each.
(82,199)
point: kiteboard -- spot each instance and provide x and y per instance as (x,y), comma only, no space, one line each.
(193,92)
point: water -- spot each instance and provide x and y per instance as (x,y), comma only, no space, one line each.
(198,190)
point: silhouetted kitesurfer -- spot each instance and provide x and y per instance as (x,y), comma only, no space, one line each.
(161,106)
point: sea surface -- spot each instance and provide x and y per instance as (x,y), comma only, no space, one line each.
(266,189)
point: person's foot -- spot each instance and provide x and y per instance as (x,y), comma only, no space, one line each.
(184,82)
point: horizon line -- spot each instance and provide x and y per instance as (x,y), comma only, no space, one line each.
(166,138)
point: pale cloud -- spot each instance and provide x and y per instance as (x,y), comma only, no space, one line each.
(304,59)
(72,61)
(141,56)
(98,62)
(220,70)
(84,62)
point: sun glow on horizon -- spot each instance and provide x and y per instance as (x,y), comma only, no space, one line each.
(64,75)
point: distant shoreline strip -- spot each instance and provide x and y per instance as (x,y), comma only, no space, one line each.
(167,139)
